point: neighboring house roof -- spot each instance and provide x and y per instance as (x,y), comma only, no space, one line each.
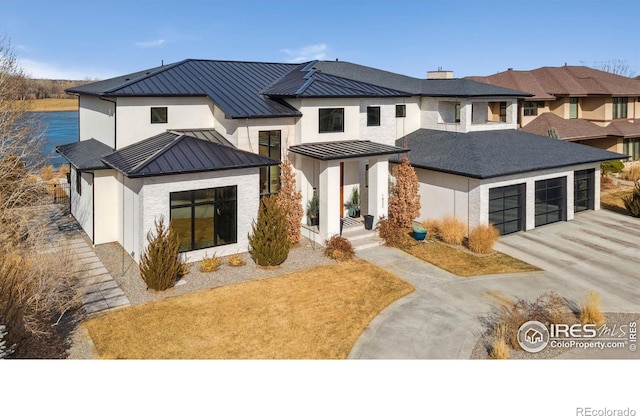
(85,155)
(488,154)
(345,149)
(456,87)
(174,153)
(548,82)
(305,81)
(233,86)
(579,129)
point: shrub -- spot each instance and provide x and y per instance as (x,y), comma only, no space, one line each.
(611,166)
(632,173)
(47,173)
(404,200)
(500,349)
(482,238)
(339,248)
(268,241)
(432,227)
(290,201)
(392,234)
(210,264)
(236,260)
(632,202)
(590,312)
(452,231)
(62,172)
(161,264)
(547,308)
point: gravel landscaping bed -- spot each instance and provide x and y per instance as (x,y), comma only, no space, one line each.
(125,272)
(483,345)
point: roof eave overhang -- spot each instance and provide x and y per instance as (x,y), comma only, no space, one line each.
(142,175)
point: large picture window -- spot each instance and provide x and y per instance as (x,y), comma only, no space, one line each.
(205,218)
(331,120)
(270,146)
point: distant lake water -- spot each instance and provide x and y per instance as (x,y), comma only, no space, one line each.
(60,127)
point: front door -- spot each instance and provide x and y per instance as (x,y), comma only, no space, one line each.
(341,209)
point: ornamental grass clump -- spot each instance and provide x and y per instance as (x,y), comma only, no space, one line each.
(236,260)
(590,312)
(210,264)
(452,231)
(632,202)
(268,241)
(339,248)
(482,238)
(161,264)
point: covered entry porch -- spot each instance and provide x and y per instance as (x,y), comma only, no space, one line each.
(331,170)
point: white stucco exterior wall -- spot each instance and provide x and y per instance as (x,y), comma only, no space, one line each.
(134,116)
(443,194)
(108,206)
(155,201)
(82,204)
(97,119)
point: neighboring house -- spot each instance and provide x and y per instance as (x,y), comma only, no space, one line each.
(199,142)
(579,104)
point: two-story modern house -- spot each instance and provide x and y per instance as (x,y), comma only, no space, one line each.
(579,104)
(199,142)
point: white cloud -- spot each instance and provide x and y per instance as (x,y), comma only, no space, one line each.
(306,53)
(150,43)
(43,70)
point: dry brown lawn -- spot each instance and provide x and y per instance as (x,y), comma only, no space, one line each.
(613,200)
(54,104)
(314,314)
(461,262)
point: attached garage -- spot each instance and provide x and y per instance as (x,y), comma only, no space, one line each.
(512,179)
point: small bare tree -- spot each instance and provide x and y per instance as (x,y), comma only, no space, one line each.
(615,66)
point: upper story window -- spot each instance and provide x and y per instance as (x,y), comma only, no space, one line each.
(331,120)
(158,115)
(270,146)
(573,107)
(503,111)
(530,108)
(373,116)
(620,107)
(457,112)
(401,110)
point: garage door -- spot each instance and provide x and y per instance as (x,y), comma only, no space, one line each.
(550,201)
(506,208)
(583,189)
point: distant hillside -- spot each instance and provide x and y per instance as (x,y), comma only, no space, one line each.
(38,89)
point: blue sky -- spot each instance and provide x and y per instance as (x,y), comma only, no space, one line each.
(100,39)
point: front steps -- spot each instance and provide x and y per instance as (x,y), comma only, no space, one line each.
(360,238)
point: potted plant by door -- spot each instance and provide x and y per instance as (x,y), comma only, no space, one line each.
(313,210)
(353,204)
(419,232)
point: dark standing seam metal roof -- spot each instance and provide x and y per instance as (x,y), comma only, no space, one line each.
(173,153)
(456,87)
(345,150)
(206,134)
(233,86)
(85,155)
(488,154)
(304,81)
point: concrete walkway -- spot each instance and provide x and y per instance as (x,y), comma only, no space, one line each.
(443,318)
(100,292)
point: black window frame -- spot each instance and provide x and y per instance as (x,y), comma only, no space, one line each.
(401,110)
(620,107)
(583,190)
(501,193)
(458,108)
(217,204)
(503,111)
(325,113)
(550,186)
(373,116)
(163,119)
(78,182)
(266,147)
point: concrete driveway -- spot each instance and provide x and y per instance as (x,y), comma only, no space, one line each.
(443,317)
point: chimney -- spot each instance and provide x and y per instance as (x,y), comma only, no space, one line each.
(439,74)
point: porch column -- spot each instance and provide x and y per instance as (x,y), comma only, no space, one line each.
(378,188)
(329,195)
